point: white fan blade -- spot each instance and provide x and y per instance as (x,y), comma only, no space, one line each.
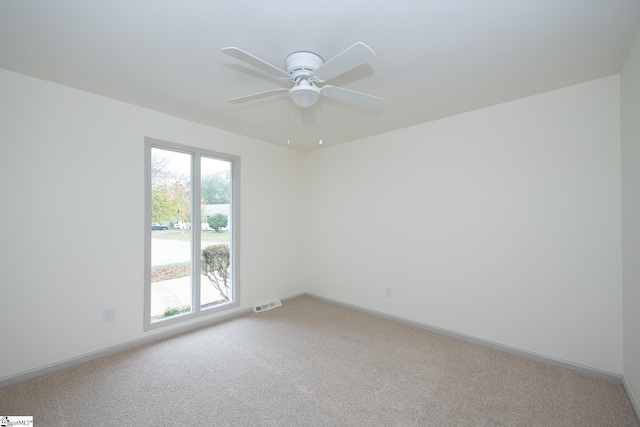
(256,96)
(256,62)
(353,97)
(351,58)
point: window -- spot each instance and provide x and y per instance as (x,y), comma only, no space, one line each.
(191,229)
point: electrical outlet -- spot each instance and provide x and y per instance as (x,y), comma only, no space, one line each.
(108,314)
(389,291)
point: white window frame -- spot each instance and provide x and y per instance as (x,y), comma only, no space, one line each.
(196,154)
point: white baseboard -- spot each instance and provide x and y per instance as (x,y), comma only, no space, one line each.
(593,372)
(44,370)
(632,398)
(53,367)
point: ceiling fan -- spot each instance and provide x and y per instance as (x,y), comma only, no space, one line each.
(307,70)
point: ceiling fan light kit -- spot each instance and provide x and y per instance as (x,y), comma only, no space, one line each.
(304,94)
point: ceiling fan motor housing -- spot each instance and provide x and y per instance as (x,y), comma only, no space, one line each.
(302,64)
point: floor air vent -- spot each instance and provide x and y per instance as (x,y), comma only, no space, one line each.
(267,306)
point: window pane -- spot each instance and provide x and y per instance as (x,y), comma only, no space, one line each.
(171,265)
(190,254)
(215,282)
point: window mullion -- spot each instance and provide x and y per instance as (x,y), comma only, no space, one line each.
(196,230)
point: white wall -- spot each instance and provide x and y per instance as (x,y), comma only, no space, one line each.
(502,224)
(630,84)
(71,170)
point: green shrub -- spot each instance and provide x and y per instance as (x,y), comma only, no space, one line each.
(215,263)
(218,221)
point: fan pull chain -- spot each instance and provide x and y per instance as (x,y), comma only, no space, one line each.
(319,109)
(288,120)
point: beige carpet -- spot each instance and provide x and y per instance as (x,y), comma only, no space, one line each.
(310,363)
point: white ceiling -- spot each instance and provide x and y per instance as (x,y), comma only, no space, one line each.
(435,58)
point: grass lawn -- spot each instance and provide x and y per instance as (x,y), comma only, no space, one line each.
(205,235)
(182,269)
(170,271)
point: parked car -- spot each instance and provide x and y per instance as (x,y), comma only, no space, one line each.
(158,226)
